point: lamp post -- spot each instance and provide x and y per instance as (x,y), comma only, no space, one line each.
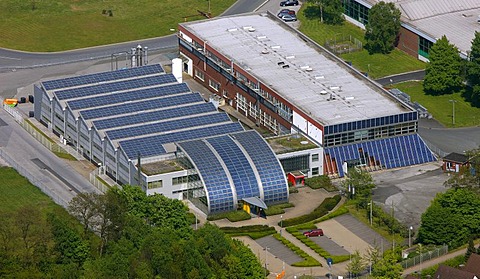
(266,255)
(371,212)
(410,236)
(453,111)
(281,224)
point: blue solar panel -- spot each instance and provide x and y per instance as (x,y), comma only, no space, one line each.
(141,106)
(102,77)
(128,96)
(112,87)
(216,181)
(151,146)
(160,127)
(238,166)
(275,187)
(153,116)
(390,153)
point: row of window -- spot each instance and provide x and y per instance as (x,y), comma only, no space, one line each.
(355,10)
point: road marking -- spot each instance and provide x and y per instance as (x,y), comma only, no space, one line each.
(11,58)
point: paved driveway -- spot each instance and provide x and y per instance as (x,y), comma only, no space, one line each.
(329,245)
(363,231)
(279,250)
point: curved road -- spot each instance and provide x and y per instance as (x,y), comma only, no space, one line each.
(13,60)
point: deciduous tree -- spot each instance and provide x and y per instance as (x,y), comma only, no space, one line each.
(443,72)
(329,11)
(387,266)
(473,72)
(382,28)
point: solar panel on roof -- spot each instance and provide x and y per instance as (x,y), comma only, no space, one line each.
(271,173)
(152,146)
(387,153)
(216,181)
(238,166)
(102,77)
(112,87)
(167,126)
(140,106)
(157,115)
(129,96)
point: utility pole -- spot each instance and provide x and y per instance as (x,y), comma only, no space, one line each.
(453,111)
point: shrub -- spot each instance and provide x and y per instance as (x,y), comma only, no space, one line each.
(292,190)
(327,205)
(321,181)
(308,260)
(254,231)
(232,216)
(277,209)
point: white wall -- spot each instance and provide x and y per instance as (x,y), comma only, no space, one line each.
(318,164)
(307,127)
(167,188)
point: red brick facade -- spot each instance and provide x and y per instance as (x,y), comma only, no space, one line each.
(408,42)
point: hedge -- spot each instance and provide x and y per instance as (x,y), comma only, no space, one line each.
(277,209)
(308,260)
(232,216)
(321,181)
(253,231)
(327,205)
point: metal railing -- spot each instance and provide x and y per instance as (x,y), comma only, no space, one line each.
(35,181)
(425,256)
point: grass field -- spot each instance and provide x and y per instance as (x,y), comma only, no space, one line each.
(16,192)
(70,24)
(440,106)
(377,65)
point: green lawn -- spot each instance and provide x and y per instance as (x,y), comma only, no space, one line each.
(16,192)
(377,65)
(66,24)
(440,107)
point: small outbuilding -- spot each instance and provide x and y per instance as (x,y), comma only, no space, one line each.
(453,162)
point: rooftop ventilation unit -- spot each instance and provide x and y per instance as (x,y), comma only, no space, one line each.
(251,29)
(261,37)
(285,66)
(265,51)
(247,27)
(308,69)
(334,87)
(304,67)
(319,77)
(275,47)
(323,92)
(232,29)
(290,57)
(281,63)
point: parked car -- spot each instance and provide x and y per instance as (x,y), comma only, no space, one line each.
(289,3)
(285,12)
(315,232)
(287,17)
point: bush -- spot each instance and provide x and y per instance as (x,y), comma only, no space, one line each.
(232,216)
(277,209)
(321,181)
(309,260)
(254,231)
(292,190)
(327,205)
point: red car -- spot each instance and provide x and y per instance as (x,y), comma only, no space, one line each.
(316,232)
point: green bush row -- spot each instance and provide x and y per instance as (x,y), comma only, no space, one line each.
(233,216)
(277,209)
(321,181)
(327,205)
(308,260)
(254,231)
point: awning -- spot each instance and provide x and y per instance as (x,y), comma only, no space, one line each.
(255,201)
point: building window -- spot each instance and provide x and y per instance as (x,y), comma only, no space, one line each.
(315,171)
(200,75)
(213,84)
(298,163)
(155,184)
(315,157)
(424,46)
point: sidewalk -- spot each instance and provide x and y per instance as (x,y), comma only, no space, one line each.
(418,268)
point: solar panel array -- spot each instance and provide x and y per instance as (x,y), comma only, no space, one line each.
(238,166)
(116,98)
(390,153)
(166,126)
(219,190)
(102,77)
(275,187)
(152,146)
(157,115)
(113,87)
(140,106)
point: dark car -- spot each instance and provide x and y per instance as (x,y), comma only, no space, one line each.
(287,17)
(315,232)
(289,3)
(285,12)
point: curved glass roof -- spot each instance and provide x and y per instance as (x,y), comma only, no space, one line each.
(273,179)
(216,181)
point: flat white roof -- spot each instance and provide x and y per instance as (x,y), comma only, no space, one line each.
(456,19)
(321,86)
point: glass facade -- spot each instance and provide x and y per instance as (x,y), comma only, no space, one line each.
(355,10)
(298,163)
(424,46)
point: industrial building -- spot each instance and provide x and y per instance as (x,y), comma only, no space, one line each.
(425,21)
(144,127)
(285,82)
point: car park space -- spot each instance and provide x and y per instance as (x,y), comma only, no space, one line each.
(288,10)
(279,250)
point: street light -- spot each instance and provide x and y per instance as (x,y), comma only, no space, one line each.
(281,224)
(410,236)
(453,111)
(266,255)
(371,213)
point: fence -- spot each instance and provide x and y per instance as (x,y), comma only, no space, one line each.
(343,44)
(425,256)
(97,181)
(35,181)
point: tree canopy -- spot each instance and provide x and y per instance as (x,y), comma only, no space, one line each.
(451,218)
(328,11)
(382,28)
(443,72)
(473,70)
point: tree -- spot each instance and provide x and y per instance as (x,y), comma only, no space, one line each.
(84,208)
(470,249)
(473,70)
(329,11)
(443,73)
(359,184)
(382,28)
(387,266)
(357,264)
